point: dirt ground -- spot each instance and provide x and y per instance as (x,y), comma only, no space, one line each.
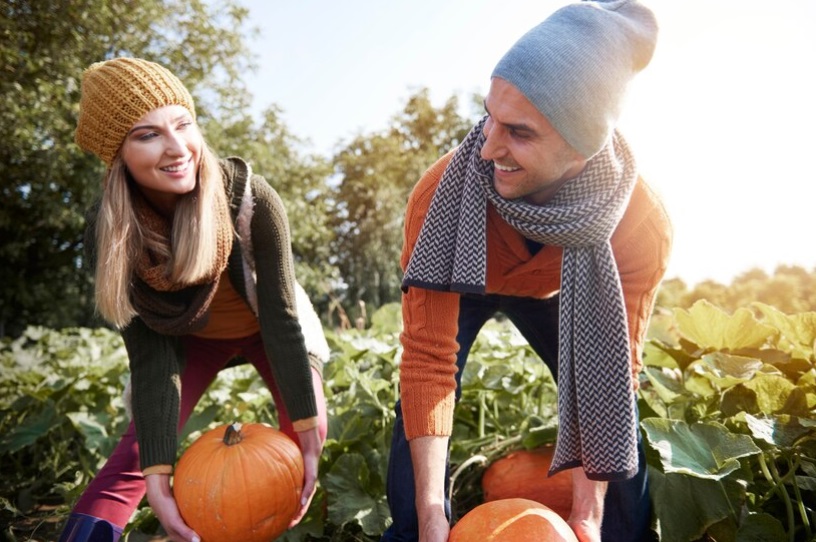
(44,525)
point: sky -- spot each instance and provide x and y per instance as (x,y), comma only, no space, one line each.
(722,121)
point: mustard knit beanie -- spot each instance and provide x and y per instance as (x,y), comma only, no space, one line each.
(118,92)
(576,65)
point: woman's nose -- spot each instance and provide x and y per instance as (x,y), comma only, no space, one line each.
(176,144)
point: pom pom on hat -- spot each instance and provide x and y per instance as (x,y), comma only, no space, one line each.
(575,66)
(118,92)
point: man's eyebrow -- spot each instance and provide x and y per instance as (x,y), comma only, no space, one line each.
(515,127)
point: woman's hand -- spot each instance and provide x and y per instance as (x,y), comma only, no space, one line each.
(161,500)
(311,446)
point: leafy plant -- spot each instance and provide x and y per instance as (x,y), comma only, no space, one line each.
(61,412)
(728,402)
(60,402)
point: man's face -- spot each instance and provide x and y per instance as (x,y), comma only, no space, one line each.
(531,160)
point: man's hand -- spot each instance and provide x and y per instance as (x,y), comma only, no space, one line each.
(429,456)
(434,527)
(587,506)
(161,500)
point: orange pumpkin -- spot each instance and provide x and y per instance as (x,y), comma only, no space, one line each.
(511,520)
(239,483)
(524,474)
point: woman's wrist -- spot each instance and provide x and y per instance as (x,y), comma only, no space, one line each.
(157,469)
(305,424)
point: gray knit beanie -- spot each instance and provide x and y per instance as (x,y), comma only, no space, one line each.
(575,66)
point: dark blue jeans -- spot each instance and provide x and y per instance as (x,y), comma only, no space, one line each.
(627,509)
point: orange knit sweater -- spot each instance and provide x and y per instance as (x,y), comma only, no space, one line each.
(641,244)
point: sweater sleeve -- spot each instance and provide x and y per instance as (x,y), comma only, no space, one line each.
(277,308)
(430,326)
(155,376)
(642,246)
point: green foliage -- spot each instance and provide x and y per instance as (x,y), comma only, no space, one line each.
(728,402)
(375,174)
(507,402)
(790,289)
(276,154)
(62,412)
(345,212)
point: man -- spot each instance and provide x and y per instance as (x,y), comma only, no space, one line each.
(539,214)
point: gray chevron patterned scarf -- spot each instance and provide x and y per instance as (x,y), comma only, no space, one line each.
(597,423)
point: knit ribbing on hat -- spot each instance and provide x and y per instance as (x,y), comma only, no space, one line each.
(115,94)
(576,65)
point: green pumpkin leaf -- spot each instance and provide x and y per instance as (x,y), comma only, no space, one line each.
(666,383)
(772,392)
(738,399)
(730,366)
(30,430)
(761,528)
(710,327)
(686,506)
(705,450)
(348,485)
(94,432)
(798,329)
(780,431)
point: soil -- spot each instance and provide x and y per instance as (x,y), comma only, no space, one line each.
(45,523)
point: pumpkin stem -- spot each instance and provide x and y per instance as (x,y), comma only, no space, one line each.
(233,434)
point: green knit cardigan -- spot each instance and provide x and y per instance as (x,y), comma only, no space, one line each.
(261,270)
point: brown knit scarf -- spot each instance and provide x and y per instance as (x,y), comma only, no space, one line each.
(167,307)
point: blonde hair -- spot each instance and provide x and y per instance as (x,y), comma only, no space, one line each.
(121,239)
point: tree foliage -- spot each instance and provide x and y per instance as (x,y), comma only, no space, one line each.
(47,183)
(275,153)
(345,213)
(376,173)
(792,289)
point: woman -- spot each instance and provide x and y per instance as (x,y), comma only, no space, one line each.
(193,264)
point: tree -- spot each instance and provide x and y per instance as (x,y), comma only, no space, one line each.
(791,289)
(301,180)
(46,181)
(376,173)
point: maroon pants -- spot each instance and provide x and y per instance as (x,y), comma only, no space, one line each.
(118,488)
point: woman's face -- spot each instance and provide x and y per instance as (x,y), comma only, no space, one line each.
(162,153)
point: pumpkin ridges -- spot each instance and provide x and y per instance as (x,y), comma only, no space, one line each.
(275,463)
(511,520)
(252,487)
(253,491)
